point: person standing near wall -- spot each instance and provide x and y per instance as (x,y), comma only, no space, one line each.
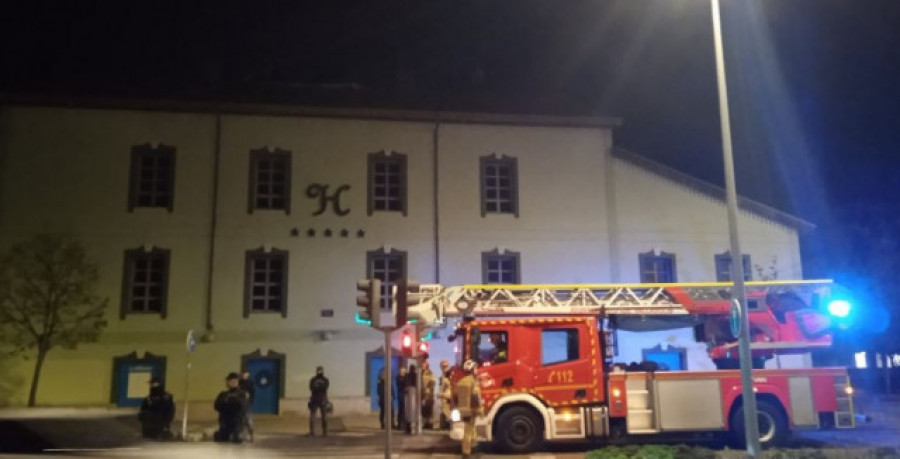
(401,382)
(247,386)
(318,401)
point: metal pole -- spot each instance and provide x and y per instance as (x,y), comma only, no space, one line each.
(751,429)
(187,381)
(388,388)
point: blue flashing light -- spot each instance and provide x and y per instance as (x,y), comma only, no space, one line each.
(839,308)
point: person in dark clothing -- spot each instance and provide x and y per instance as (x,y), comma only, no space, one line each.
(231,404)
(246,385)
(382,395)
(402,380)
(412,397)
(318,401)
(157,411)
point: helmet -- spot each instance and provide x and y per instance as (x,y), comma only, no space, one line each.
(469,366)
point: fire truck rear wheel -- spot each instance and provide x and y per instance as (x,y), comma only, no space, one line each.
(773,427)
(518,430)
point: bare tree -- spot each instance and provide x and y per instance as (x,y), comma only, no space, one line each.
(48,299)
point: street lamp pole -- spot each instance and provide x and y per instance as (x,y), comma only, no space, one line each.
(751,428)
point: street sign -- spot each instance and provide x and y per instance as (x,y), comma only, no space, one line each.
(735,317)
(190,342)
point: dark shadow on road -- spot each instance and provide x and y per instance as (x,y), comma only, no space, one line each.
(36,435)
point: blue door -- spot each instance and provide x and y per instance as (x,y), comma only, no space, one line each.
(266,377)
(133,377)
(376,364)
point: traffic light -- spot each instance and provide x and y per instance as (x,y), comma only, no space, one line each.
(406,344)
(407,295)
(369,301)
(423,347)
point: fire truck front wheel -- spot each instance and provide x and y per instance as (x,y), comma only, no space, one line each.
(518,430)
(773,427)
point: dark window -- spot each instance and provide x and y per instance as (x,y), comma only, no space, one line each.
(389,267)
(657,268)
(266,282)
(152,177)
(387,182)
(145,282)
(500,268)
(270,180)
(559,345)
(499,185)
(723,267)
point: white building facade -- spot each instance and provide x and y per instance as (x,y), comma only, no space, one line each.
(250,225)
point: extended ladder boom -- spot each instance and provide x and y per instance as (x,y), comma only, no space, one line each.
(438,302)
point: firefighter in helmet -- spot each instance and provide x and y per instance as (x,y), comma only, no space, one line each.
(446,395)
(467,400)
(500,352)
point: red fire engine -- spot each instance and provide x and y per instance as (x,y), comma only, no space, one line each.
(544,354)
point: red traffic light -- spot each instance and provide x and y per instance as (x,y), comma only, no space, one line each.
(406,342)
(423,347)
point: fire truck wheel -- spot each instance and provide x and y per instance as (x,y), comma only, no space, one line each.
(773,427)
(518,430)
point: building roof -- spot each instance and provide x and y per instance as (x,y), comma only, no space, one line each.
(239,108)
(711,190)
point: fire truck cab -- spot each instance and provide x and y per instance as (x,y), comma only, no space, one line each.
(545,378)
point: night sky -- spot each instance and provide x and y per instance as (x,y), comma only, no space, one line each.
(814,84)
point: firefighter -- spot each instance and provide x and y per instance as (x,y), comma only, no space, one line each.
(446,395)
(467,400)
(428,381)
(500,352)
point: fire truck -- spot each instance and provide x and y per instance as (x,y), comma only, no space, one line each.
(555,379)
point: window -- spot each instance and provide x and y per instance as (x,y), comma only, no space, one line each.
(499,185)
(266,283)
(500,268)
(670,359)
(387,182)
(145,282)
(388,267)
(493,347)
(152,177)
(559,346)
(723,267)
(270,180)
(656,268)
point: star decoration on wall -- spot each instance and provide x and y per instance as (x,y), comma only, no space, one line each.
(295,232)
(361,233)
(344,232)
(328,232)
(311,232)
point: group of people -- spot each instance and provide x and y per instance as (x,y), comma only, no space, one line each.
(233,405)
(405,391)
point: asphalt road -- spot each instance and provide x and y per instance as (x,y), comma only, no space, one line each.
(117,436)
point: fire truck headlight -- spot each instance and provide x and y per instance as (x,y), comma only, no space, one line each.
(848,390)
(454,416)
